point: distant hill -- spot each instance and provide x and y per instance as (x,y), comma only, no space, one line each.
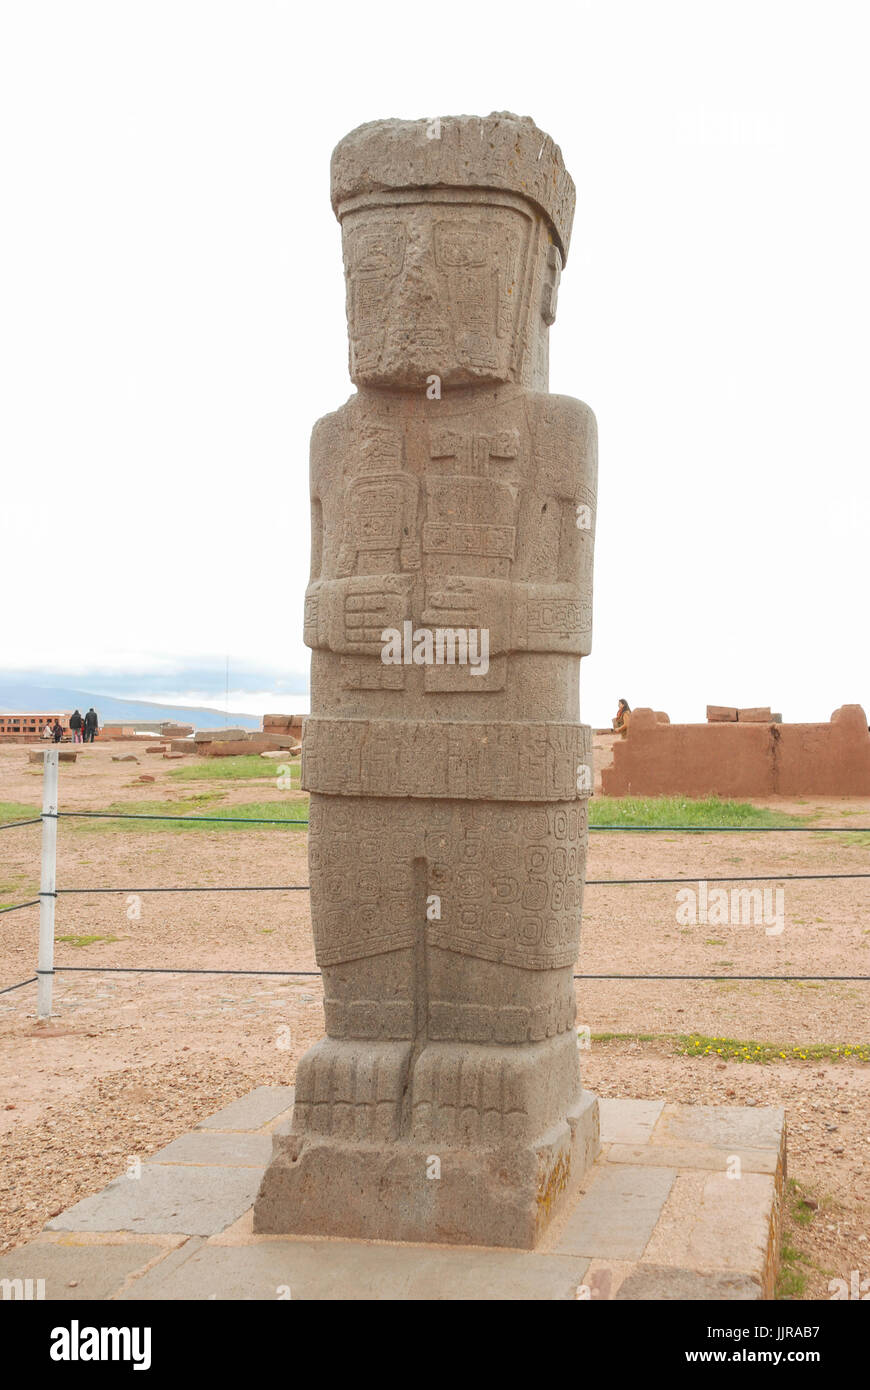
(22,695)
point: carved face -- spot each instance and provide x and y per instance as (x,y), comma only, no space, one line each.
(438,287)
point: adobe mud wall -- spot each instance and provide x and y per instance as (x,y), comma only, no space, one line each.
(742,759)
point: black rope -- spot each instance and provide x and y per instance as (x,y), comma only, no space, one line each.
(181,970)
(725,878)
(9,988)
(740,829)
(644,829)
(229,820)
(172,970)
(11,824)
(722,977)
(257,888)
(590,883)
(34,902)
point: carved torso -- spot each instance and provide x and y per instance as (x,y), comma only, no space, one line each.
(476,516)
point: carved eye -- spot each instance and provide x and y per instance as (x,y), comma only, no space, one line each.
(378,252)
(459,247)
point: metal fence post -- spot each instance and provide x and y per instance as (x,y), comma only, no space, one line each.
(47,886)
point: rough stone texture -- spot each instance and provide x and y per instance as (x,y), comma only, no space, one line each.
(339,1270)
(685,1155)
(618,1213)
(229,1150)
(665,1282)
(742,758)
(166,1198)
(715,1222)
(283,724)
(628,1121)
(725,1126)
(253,1111)
(448,804)
(73,1270)
(721,714)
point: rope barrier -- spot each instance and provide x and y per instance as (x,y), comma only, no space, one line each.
(642,829)
(257,888)
(590,883)
(311,974)
(49,894)
(740,829)
(9,988)
(722,878)
(199,820)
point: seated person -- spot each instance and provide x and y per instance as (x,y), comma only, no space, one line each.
(622,719)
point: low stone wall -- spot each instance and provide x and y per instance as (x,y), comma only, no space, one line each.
(257,743)
(742,758)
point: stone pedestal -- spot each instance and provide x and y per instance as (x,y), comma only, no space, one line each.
(413,1189)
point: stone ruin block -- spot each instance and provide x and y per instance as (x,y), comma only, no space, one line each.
(721,714)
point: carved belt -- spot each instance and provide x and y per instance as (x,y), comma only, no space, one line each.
(456,759)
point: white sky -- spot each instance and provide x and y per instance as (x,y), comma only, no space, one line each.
(172,322)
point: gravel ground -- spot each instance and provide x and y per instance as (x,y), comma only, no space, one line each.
(131,1061)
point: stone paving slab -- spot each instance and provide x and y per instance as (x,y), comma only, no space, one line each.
(628,1121)
(714,1222)
(659,1217)
(352,1270)
(617,1213)
(693,1156)
(667,1282)
(74,1270)
(253,1111)
(216,1147)
(182,1199)
(725,1126)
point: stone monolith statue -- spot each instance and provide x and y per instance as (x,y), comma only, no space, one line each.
(450,602)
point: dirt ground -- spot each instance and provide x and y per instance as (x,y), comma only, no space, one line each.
(131,1061)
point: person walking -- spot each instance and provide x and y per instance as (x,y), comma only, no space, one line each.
(58,731)
(90,725)
(75,726)
(48,730)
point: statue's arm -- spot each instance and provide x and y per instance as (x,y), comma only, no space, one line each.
(345,614)
(552,609)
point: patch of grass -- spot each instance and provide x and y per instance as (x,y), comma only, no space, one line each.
(629,1037)
(739,1050)
(198,818)
(791,1281)
(794,1263)
(683,811)
(18,888)
(18,810)
(847,838)
(84,940)
(235,769)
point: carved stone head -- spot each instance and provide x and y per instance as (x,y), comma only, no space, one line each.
(454,234)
